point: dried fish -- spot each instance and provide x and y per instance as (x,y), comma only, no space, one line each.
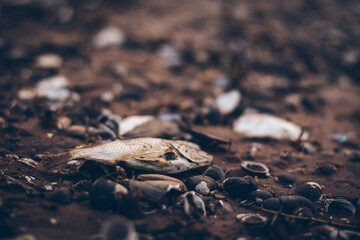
(150,154)
(258,125)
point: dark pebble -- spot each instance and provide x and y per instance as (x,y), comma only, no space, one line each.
(286,178)
(61,195)
(310,190)
(102,195)
(260,195)
(272,204)
(292,202)
(239,187)
(279,163)
(215,172)
(193,181)
(326,169)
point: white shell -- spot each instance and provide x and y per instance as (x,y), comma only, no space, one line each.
(260,125)
(130,123)
(227,102)
(109,37)
(49,60)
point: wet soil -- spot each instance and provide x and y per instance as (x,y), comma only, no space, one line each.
(299,60)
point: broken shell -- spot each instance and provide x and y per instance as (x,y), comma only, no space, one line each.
(255,168)
(106,194)
(215,172)
(252,219)
(227,102)
(272,204)
(292,202)
(259,196)
(155,190)
(118,227)
(201,184)
(257,125)
(286,178)
(110,36)
(48,60)
(193,204)
(61,195)
(303,212)
(146,177)
(310,190)
(239,187)
(339,207)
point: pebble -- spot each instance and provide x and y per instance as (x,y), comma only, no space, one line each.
(259,196)
(227,102)
(310,190)
(48,61)
(239,187)
(111,36)
(272,204)
(215,172)
(118,227)
(286,178)
(326,169)
(106,194)
(61,196)
(201,184)
(309,148)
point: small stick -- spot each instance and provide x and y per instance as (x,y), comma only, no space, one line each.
(330,222)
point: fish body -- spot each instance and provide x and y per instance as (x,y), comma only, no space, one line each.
(150,154)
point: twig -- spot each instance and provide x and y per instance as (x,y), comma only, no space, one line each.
(330,222)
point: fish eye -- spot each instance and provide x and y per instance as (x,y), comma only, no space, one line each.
(170,156)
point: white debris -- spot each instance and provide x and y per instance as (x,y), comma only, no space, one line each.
(109,37)
(50,84)
(202,188)
(49,60)
(259,125)
(131,122)
(26,94)
(227,102)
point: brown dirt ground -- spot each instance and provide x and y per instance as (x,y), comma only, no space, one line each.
(268,49)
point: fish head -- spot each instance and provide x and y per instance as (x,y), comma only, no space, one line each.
(179,156)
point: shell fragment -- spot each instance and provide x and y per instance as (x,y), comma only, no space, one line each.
(258,125)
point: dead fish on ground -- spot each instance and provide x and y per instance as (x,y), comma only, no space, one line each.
(150,154)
